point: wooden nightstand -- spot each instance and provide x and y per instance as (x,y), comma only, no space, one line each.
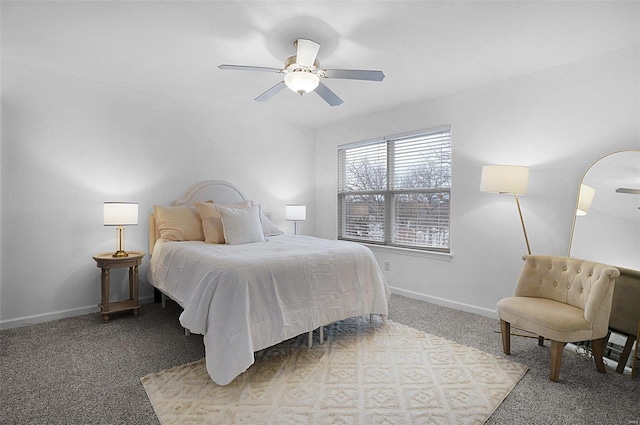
(106,262)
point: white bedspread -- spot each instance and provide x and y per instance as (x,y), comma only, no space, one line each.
(244,298)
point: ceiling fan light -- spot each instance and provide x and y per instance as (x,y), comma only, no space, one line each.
(301,81)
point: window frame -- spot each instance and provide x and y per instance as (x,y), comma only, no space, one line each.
(390,191)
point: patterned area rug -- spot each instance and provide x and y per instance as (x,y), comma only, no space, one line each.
(380,373)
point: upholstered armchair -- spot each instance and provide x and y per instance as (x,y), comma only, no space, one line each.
(562,299)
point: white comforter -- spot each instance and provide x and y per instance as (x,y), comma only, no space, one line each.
(244,298)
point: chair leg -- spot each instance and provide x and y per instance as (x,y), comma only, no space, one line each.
(606,342)
(505,330)
(624,356)
(556,359)
(635,364)
(598,352)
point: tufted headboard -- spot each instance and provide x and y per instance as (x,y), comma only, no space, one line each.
(219,191)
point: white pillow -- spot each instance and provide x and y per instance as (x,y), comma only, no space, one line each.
(269,228)
(211,221)
(241,225)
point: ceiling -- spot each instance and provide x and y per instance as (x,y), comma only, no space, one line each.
(426,49)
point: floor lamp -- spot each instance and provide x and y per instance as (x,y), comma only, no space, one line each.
(295,213)
(585,198)
(507,179)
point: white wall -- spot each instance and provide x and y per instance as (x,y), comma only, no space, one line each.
(69,144)
(557,122)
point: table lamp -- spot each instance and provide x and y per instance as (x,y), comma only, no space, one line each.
(295,213)
(120,214)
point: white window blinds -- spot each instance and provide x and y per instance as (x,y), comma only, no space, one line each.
(396,191)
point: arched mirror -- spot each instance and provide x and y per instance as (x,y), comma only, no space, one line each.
(608,230)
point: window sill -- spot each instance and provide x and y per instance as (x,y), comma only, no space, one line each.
(442,256)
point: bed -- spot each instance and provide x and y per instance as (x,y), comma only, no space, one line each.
(244,297)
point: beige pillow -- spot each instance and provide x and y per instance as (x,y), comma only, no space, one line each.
(178,223)
(211,221)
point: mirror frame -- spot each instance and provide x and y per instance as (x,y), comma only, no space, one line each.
(573,225)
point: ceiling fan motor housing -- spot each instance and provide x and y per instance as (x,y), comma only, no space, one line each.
(292,61)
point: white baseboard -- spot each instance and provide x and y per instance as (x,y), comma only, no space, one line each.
(61,314)
(446,303)
(56,315)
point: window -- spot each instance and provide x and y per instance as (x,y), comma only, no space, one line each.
(396,190)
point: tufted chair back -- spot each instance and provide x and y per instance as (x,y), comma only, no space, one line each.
(582,284)
(561,299)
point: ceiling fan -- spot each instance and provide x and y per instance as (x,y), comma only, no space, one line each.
(628,190)
(302,74)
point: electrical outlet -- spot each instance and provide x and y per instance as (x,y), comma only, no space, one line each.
(387,266)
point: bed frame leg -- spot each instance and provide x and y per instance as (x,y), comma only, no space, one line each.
(187,332)
(310,339)
(163,300)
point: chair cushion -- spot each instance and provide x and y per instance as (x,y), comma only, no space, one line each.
(548,318)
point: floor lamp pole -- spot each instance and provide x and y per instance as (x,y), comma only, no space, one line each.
(524,230)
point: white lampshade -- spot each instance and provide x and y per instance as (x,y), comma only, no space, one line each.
(504,179)
(120,213)
(301,81)
(585,198)
(295,212)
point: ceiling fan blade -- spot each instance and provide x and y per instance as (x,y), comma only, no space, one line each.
(307,51)
(628,190)
(352,74)
(271,92)
(249,68)
(329,96)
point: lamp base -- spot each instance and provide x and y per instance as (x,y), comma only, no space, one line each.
(119,254)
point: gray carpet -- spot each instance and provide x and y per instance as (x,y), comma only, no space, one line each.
(81,371)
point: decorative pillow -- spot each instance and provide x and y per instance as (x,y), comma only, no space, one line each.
(211,221)
(269,228)
(241,225)
(178,223)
